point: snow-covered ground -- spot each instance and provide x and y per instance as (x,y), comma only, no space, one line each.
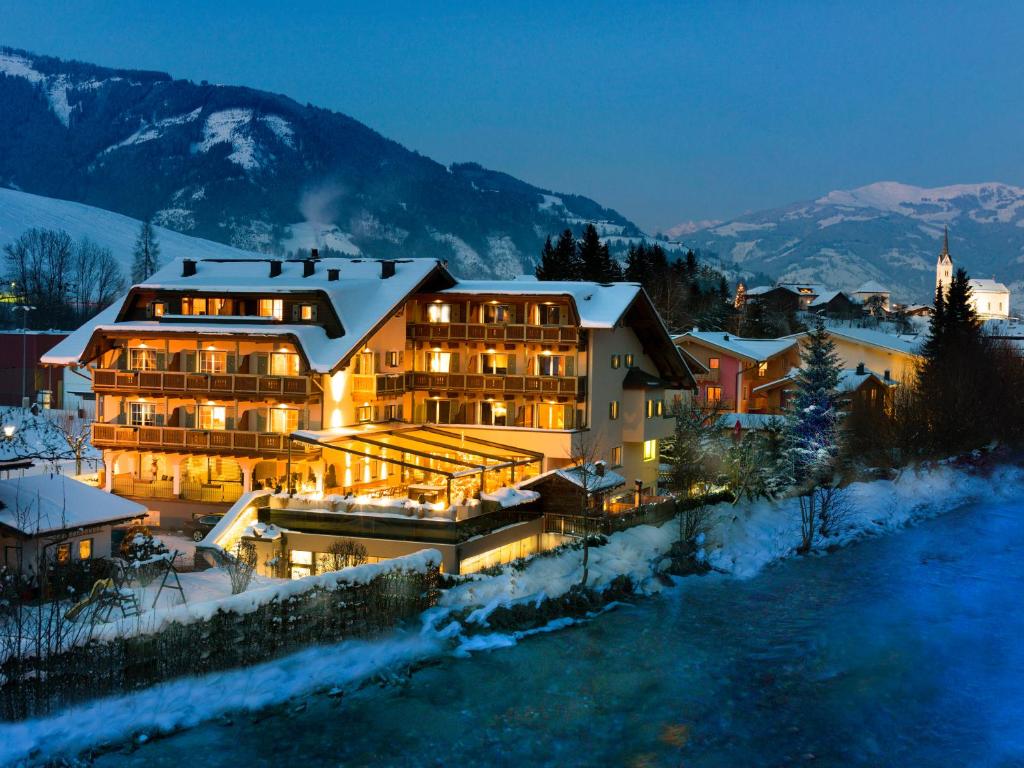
(743,540)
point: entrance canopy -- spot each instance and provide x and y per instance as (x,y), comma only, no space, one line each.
(422,457)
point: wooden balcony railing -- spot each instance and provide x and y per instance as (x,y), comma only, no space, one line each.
(179,382)
(187,439)
(378,385)
(563,334)
(508,384)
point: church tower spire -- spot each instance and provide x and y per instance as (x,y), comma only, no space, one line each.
(944,267)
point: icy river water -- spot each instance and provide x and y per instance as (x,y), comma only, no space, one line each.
(905,650)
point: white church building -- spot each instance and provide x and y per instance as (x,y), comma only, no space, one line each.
(991,299)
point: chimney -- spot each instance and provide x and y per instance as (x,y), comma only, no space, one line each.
(332,275)
(886,376)
(314,253)
(188,267)
(275,267)
(387,269)
(308,267)
(860,369)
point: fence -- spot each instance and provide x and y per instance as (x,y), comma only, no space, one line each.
(330,610)
(599,523)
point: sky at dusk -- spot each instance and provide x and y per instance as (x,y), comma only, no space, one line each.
(665,111)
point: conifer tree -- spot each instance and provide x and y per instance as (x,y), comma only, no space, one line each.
(595,259)
(146,256)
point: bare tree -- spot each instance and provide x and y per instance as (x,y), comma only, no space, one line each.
(342,554)
(75,432)
(96,278)
(241,566)
(584,455)
(39,264)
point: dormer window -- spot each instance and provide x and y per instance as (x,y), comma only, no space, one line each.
(156,309)
(304,312)
(273,308)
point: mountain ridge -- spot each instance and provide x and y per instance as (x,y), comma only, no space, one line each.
(261,172)
(887,231)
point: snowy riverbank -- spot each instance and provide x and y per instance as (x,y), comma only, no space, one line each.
(743,540)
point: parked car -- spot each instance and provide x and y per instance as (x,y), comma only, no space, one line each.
(200,525)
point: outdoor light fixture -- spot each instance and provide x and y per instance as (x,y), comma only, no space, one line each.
(9,430)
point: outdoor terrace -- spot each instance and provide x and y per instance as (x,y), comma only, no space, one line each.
(109,380)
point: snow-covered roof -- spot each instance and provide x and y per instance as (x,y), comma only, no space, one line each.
(758,290)
(907,344)
(872,287)
(749,349)
(747,420)
(360,296)
(595,482)
(825,298)
(988,284)
(600,305)
(46,503)
(850,380)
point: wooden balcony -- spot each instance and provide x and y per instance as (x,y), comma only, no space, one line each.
(187,440)
(508,384)
(540,334)
(249,385)
(381,385)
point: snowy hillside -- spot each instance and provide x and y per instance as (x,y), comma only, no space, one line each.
(20,211)
(887,231)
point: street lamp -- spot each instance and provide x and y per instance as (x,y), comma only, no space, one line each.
(24,350)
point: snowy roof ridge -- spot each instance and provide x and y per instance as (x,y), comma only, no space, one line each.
(751,349)
(43,503)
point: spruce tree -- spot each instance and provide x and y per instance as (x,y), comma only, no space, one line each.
(146,256)
(595,259)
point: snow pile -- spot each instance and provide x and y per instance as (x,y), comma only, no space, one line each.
(511,497)
(745,539)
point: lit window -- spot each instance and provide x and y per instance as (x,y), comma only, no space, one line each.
(650,409)
(212,362)
(498,313)
(142,359)
(439,313)
(212,417)
(439,411)
(284,420)
(762,369)
(393,359)
(301,557)
(157,309)
(364,413)
(616,361)
(284,364)
(85,549)
(142,414)
(306,312)
(628,360)
(364,363)
(494,363)
(392,413)
(554,416)
(659,408)
(271,308)
(650,450)
(713,363)
(550,315)
(190,305)
(617,456)
(64,553)
(551,365)
(714,394)
(494,414)
(613,410)
(301,563)
(439,362)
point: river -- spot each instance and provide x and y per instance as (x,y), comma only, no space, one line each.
(904,650)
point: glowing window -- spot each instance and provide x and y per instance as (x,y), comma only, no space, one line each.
(713,363)
(714,394)
(142,414)
(439,313)
(613,410)
(85,549)
(439,362)
(64,553)
(212,417)
(211,361)
(628,360)
(617,456)
(762,369)
(616,361)
(650,450)
(271,308)
(284,364)
(284,420)
(142,359)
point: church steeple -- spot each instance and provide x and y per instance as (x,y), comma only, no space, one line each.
(944,267)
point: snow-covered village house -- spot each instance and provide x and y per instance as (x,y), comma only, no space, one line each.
(385,379)
(736,366)
(58,520)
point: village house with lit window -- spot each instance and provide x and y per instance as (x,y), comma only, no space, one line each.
(387,381)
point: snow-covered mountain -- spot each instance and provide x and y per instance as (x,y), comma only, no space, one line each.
(887,231)
(20,211)
(262,172)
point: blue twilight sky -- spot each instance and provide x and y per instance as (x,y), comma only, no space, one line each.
(666,111)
